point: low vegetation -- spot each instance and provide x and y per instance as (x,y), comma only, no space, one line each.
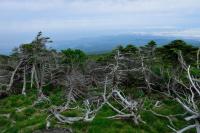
(146,89)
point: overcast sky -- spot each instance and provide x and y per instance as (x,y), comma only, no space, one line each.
(20,20)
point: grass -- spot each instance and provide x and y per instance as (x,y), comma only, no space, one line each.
(25,118)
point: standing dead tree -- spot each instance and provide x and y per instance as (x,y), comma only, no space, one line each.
(111,91)
(189,99)
(34,64)
(11,73)
(130,108)
(186,93)
(75,85)
(147,60)
(43,65)
(8,71)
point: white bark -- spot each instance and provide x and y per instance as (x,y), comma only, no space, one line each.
(13,75)
(32,75)
(186,128)
(197,126)
(24,83)
(191,81)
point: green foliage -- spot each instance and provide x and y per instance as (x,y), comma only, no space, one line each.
(127,49)
(29,111)
(4,122)
(149,49)
(74,57)
(33,118)
(35,48)
(169,52)
(3,59)
(151,44)
(24,118)
(108,57)
(104,58)
(195,72)
(27,48)
(130,49)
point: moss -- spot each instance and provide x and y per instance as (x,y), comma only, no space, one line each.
(42,105)
(12,130)
(6,110)
(72,113)
(29,111)
(4,122)
(34,117)
(18,116)
(31,121)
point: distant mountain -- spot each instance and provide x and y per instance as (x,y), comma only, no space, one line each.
(107,43)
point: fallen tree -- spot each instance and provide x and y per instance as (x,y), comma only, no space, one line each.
(130,108)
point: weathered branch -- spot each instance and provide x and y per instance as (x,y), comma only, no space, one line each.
(13,75)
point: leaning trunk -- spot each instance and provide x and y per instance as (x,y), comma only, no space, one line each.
(24,84)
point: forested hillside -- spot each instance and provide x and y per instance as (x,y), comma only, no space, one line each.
(131,89)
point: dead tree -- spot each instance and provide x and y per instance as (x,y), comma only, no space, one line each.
(130,107)
(111,91)
(35,62)
(147,60)
(186,94)
(10,73)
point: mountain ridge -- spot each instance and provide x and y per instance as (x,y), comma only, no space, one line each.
(107,43)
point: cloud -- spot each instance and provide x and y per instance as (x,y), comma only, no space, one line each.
(187,33)
(101,6)
(172,17)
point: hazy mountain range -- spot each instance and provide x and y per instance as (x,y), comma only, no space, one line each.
(107,43)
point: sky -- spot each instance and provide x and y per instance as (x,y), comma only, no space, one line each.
(20,20)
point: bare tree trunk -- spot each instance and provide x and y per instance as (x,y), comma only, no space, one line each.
(13,75)
(24,84)
(36,78)
(197,126)
(32,75)
(146,76)
(69,97)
